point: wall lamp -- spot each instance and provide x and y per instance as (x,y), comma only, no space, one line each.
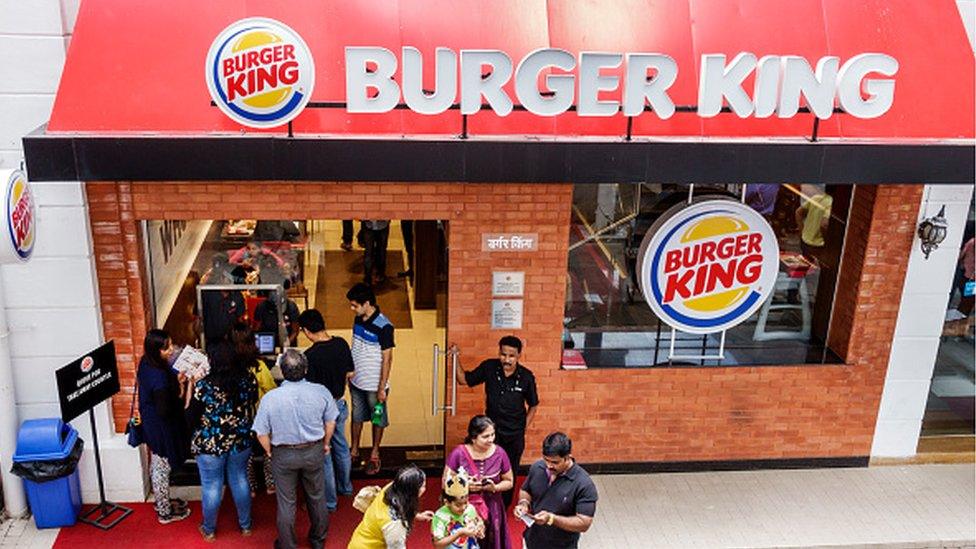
(932,231)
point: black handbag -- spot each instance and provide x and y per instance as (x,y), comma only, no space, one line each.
(133,429)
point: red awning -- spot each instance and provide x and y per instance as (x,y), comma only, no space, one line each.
(138,68)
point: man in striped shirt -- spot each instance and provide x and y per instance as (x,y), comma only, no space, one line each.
(372,357)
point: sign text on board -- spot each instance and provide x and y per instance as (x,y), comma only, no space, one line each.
(780,83)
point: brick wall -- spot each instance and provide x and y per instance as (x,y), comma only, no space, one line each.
(613,415)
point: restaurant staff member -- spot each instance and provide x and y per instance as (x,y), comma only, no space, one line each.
(510,398)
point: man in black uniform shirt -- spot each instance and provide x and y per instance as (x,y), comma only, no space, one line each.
(510,398)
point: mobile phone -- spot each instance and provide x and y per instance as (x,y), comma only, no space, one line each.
(528,519)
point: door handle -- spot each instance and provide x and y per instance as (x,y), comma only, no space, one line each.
(452,407)
(433,389)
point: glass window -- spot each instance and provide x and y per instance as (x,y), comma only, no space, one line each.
(952,394)
(608,323)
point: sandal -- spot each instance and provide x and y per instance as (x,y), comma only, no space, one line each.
(373,466)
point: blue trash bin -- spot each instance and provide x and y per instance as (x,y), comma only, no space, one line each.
(54,503)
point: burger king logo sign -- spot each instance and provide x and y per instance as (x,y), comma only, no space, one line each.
(260,72)
(21,218)
(708,266)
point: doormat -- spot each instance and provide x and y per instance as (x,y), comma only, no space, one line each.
(339,271)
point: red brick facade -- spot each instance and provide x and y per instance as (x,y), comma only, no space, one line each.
(613,415)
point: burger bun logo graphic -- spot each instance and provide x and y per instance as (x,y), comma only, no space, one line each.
(86,364)
(260,72)
(709,266)
(21,216)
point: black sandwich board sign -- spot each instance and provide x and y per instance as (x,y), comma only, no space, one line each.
(82,385)
(87,381)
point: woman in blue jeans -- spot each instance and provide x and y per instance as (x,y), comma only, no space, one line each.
(220,406)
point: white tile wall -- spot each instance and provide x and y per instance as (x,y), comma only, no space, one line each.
(896,438)
(967,10)
(914,358)
(51,301)
(59,193)
(905,399)
(52,283)
(62,231)
(31,17)
(30,64)
(21,114)
(924,298)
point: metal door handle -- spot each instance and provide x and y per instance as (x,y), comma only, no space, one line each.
(452,407)
(433,390)
(454,369)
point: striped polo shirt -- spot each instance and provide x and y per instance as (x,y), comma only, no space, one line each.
(370,338)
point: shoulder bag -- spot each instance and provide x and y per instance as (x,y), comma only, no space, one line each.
(133,429)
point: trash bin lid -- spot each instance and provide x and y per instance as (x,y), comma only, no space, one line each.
(44,440)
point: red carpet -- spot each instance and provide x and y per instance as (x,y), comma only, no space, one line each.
(141,529)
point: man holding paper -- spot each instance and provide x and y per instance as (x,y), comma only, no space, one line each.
(558,499)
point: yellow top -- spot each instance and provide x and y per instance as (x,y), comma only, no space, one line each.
(265,381)
(817,210)
(378,529)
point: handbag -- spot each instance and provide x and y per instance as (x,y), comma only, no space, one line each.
(133,428)
(476,500)
(365,497)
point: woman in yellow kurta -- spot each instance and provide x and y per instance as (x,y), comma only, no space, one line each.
(387,520)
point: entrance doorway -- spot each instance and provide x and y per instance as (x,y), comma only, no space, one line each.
(313,263)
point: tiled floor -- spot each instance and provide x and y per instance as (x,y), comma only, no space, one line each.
(22,533)
(411,421)
(911,506)
(893,507)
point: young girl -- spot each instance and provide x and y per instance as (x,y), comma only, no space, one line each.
(456,524)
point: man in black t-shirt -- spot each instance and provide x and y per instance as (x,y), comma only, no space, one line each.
(330,364)
(221,309)
(559,497)
(266,318)
(510,398)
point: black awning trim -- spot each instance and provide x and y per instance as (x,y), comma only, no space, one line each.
(82,158)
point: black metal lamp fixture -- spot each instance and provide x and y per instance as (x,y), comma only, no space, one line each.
(932,231)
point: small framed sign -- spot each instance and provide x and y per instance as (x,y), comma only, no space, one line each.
(506,314)
(508,283)
(85,382)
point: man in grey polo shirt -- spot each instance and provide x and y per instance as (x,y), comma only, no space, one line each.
(558,496)
(294,424)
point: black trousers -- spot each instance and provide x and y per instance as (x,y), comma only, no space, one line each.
(289,466)
(374,256)
(514,446)
(347,231)
(406,229)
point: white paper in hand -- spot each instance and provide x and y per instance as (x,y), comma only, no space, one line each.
(193,363)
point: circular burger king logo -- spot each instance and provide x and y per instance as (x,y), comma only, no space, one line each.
(708,266)
(260,72)
(21,215)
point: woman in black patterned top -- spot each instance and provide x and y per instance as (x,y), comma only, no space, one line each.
(221,408)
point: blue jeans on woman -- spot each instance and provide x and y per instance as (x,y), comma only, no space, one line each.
(338,464)
(213,468)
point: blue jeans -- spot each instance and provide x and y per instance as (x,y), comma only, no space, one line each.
(338,464)
(212,471)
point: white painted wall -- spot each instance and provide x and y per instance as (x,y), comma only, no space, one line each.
(924,299)
(52,301)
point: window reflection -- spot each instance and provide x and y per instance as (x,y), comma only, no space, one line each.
(608,323)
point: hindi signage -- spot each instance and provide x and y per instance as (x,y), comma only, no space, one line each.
(87,381)
(509,242)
